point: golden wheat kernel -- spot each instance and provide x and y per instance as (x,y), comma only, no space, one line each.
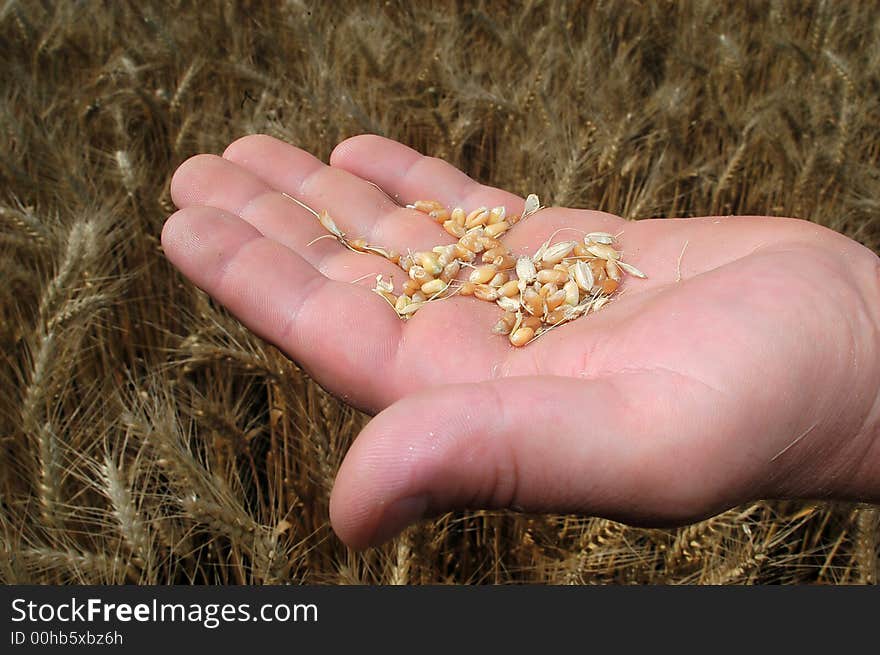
(466,289)
(580,250)
(632,270)
(439,215)
(450,271)
(548,289)
(498,280)
(430,262)
(505,262)
(572,293)
(485,292)
(522,336)
(472,242)
(602,251)
(543,276)
(531,300)
(496,215)
(454,229)
(402,301)
(497,229)
(413,307)
(501,328)
(612,270)
(508,321)
(433,287)
(557,252)
(419,297)
(552,275)
(513,220)
(411,286)
(525,269)
(477,217)
(509,289)
(458,216)
(445,251)
(533,322)
(609,286)
(490,254)
(597,268)
(508,304)
(463,254)
(425,206)
(555,300)
(482,274)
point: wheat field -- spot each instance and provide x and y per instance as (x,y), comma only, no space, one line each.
(147,437)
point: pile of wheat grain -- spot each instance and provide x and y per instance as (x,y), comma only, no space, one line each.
(148,437)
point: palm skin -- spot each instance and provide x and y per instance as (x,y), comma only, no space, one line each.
(743,367)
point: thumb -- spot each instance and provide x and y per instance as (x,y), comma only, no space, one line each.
(620,446)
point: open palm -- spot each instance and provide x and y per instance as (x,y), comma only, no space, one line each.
(716,380)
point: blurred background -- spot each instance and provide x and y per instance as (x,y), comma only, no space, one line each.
(146,436)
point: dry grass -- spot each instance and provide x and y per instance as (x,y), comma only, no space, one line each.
(147,437)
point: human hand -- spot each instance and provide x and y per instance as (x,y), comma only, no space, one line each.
(744,367)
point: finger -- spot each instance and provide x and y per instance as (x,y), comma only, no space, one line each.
(407,175)
(285,300)
(216,182)
(359,208)
(535,444)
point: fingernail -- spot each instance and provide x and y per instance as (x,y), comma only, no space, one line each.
(399,515)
